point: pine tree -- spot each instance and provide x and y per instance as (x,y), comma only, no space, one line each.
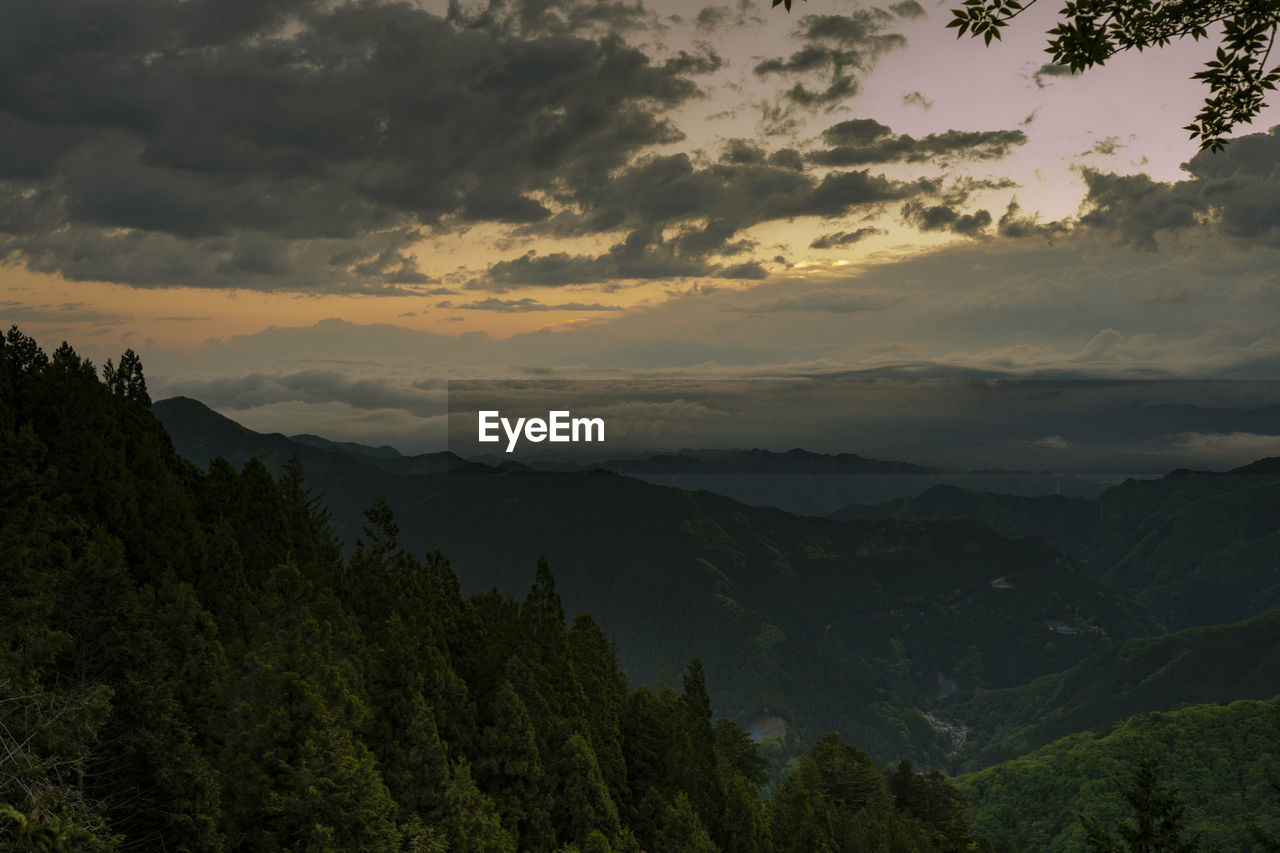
(604,687)
(295,773)
(682,831)
(473,824)
(582,803)
(694,763)
(746,825)
(509,768)
(1158,814)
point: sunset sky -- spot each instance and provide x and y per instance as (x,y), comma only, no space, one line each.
(312,215)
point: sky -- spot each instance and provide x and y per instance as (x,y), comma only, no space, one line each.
(313,215)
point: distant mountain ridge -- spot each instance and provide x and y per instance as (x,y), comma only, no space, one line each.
(385,451)
(199,433)
(748,461)
(793,616)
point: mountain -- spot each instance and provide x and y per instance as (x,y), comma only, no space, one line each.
(753,461)
(1068,522)
(1195,547)
(808,483)
(352,448)
(1216,755)
(199,434)
(1140,675)
(820,623)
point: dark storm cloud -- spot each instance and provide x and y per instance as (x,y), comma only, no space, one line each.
(835,47)
(843,238)
(861,141)
(1235,192)
(944,217)
(290,144)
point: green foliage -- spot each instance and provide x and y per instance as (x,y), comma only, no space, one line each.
(682,831)
(1157,818)
(1213,754)
(1266,840)
(23,833)
(1089,33)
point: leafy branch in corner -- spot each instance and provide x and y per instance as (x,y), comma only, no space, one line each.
(1090,32)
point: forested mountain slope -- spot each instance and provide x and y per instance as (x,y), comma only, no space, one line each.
(1217,756)
(1190,667)
(1196,548)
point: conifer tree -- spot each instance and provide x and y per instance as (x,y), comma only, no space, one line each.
(509,768)
(582,803)
(295,773)
(604,687)
(694,761)
(1158,814)
(472,824)
(682,831)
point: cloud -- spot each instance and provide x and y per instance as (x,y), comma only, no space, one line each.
(843,238)
(747,270)
(682,216)
(1235,192)
(158,152)
(641,256)
(823,301)
(717,18)
(943,217)
(1107,146)
(1081,306)
(916,99)
(519,306)
(1013,224)
(835,47)
(67,312)
(1048,70)
(861,141)
(1233,448)
(1178,297)
(313,386)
